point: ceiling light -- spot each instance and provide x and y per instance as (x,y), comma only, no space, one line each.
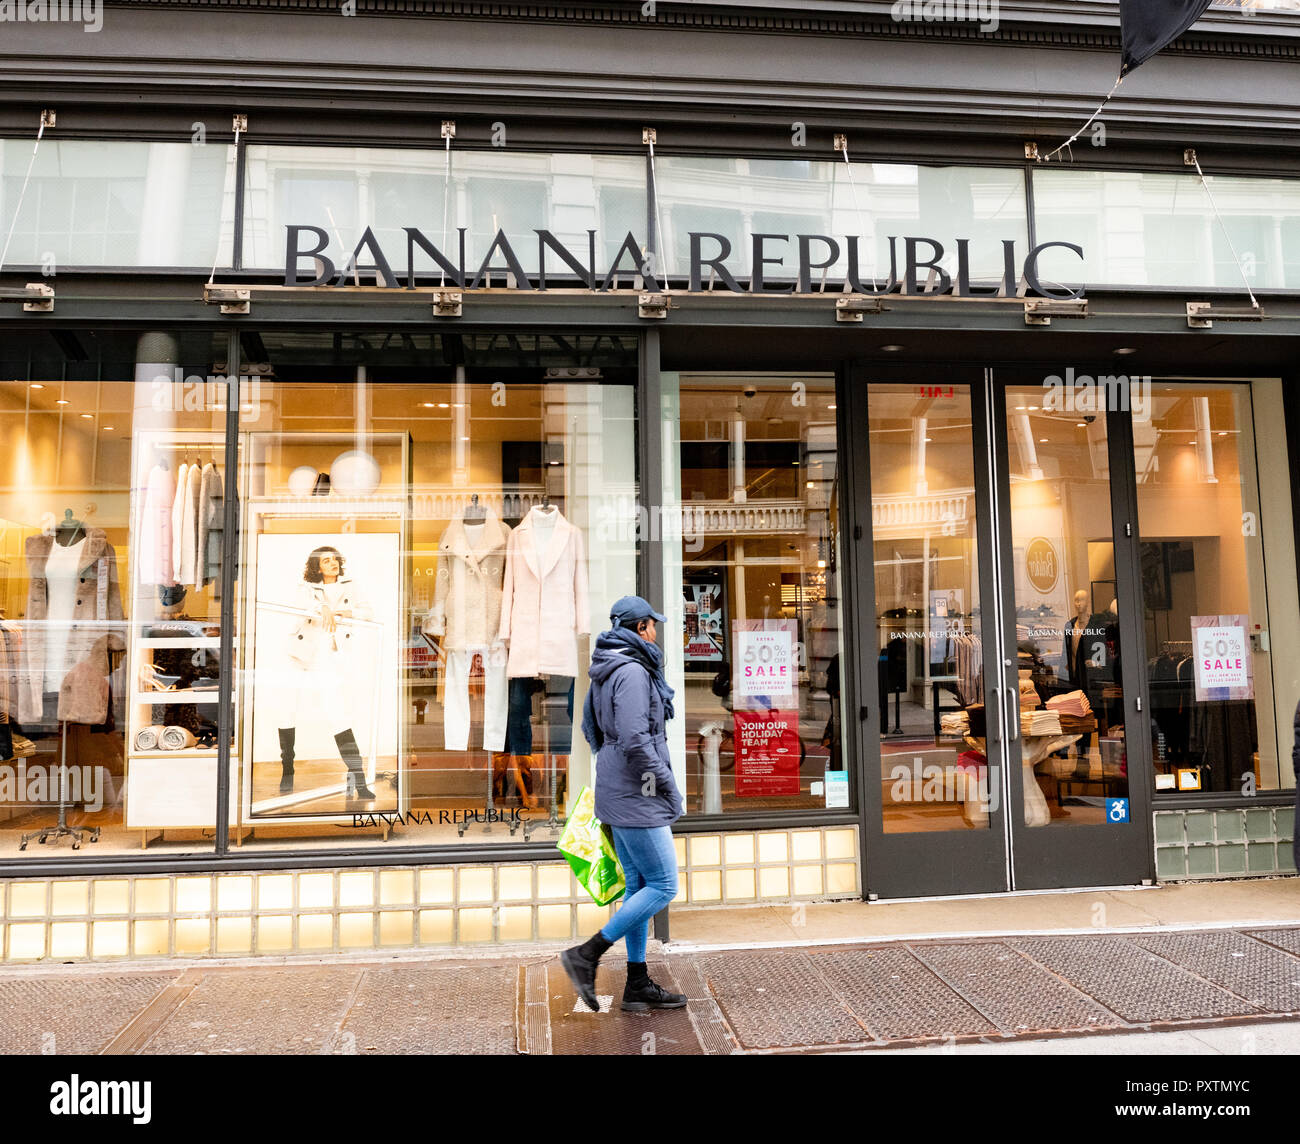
(893,349)
(87,416)
(443,405)
(63,401)
(464,438)
(1033,409)
(928,439)
(1223,432)
(549,462)
(37,385)
(1020,408)
(821,563)
(1124,350)
(109,428)
(1042,440)
(810,484)
(1081,425)
(831,406)
(426,405)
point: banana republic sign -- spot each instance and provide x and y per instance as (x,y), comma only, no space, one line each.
(781,263)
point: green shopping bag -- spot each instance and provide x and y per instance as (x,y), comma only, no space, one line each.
(588,850)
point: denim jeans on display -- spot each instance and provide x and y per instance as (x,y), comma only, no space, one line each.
(557,714)
(650,867)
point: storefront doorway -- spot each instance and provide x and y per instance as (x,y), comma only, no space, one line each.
(998,571)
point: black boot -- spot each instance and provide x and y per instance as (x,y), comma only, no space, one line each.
(640,993)
(287,736)
(351,754)
(580,964)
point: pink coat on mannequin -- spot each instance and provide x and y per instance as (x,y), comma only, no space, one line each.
(544,605)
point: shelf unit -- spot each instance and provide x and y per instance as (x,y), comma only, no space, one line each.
(169,790)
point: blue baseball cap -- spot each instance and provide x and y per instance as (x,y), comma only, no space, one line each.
(627,610)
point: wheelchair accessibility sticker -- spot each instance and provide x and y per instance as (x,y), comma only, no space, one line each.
(1116,810)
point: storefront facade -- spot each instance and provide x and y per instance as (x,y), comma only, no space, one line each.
(966,481)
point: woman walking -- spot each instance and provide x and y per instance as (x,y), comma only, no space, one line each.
(623,719)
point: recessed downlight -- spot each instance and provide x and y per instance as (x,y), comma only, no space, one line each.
(893,349)
(1124,351)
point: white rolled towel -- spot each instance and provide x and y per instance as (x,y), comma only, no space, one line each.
(146,739)
(176,739)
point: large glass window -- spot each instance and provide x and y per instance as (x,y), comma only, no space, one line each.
(433,526)
(102,203)
(1141,228)
(343,190)
(1218,584)
(111,536)
(751,547)
(871,200)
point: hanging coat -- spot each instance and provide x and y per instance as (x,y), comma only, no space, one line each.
(155,551)
(97,612)
(211,523)
(544,600)
(178,520)
(188,571)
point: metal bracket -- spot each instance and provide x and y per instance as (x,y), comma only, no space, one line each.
(231,299)
(448,129)
(48,118)
(1031,151)
(841,142)
(1041,311)
(448,304)
(649,135)
(1189,157)
(36,297)
(1203,315)
(652,306)
(239,125)
(851,307)
(42,298)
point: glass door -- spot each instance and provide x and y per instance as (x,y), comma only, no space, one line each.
(933,789)
(1004,740)
(1077,747)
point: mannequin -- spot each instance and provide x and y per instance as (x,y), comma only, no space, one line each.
(73,596)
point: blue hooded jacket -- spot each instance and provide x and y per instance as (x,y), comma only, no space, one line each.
(624,719)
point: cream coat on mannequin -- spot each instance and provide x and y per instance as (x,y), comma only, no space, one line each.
(466,608)
(544,599)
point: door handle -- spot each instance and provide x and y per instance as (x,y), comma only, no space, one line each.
(1013,717)
(997,706)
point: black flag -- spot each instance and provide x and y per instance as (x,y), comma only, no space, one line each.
(1147,26)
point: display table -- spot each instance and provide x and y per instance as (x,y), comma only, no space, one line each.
(1033,750)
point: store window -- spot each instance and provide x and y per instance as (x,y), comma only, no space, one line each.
(1218,585)
(752,583)
(871,200)
(432,529)
(111,538)
(1140,228)
(117,203)
(343,190)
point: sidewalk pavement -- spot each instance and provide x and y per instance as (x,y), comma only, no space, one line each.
(1204,968)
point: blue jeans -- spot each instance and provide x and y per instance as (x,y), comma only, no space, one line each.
(650,867)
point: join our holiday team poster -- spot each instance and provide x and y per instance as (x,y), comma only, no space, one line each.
(766,715)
